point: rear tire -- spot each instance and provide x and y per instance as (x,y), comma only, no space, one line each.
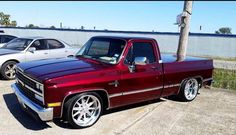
(189,90)
(83,110)
(8,71)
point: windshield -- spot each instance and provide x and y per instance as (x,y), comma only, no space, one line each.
(18,44)
(103,49)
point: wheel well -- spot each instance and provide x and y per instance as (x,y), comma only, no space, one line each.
(199,80)
(101,93)
(10,60)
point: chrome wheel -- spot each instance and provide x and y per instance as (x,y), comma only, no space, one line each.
(86,110)
(10,71)
(191,89)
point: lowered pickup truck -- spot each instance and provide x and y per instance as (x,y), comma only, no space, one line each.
(107,72)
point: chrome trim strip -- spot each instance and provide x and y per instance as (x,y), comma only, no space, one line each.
(42,94)
(115,95)
(207,79)
(33,90)
(45,114)
(30,78)
(172,85)
(134,92)
(144,90)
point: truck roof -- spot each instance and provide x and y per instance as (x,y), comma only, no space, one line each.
(124,37)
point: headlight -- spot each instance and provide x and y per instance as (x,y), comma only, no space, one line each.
(39,86)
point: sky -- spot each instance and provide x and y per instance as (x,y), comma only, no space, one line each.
(120,15)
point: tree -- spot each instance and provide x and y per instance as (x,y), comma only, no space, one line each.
(1,18)
(6,21)
(52,27)
(31,26)
(13,23)
(224,30)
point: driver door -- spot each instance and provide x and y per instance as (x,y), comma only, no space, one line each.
(145,83)
(41,51)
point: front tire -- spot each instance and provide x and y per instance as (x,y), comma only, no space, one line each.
(189,90)
(84,110)
(8,71)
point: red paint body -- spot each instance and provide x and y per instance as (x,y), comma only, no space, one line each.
(65,77)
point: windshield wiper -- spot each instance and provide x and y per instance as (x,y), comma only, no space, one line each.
(84,56)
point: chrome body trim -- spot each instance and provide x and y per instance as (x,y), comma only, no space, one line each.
(115,95)
(45,114)
(172,85)
(22,73)
(28,77)
(143,90)
(36,92)
(134,92)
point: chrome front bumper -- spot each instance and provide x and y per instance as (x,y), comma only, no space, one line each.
(45,114)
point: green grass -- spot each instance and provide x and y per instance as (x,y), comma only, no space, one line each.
(224,79)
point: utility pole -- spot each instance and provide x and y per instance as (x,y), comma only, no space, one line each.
(61,25)
(184,31)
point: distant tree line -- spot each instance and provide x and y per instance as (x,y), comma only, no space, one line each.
(224,30)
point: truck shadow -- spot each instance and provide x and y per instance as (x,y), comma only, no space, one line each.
(21,116)
(64,124)
(30,123)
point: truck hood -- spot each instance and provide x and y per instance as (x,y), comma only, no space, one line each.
(52,68)
(7,51)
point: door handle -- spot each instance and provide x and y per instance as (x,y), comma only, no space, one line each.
(45,53)
(116,83)
(154,67)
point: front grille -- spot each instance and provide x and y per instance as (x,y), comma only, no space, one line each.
(28,87)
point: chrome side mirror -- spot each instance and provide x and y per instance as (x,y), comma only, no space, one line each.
(140,61)
(32,49)
(137,61)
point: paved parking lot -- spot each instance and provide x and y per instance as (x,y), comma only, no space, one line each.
(213,112)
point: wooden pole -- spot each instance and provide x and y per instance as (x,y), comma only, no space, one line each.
(184,31)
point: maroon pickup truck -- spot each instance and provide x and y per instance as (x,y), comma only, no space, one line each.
(107,72)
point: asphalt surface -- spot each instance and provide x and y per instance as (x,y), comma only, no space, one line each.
(212,112)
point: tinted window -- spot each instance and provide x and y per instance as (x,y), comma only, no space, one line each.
(39,45)
(53,44)
(18,44)
(99,48)
(103,49)
(6,39)
(140,49)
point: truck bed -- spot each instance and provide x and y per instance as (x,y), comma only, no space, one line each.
(175,72)
(169,58)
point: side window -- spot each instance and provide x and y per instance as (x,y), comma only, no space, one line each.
(54,44)
(39,45)
(141,49)
(6,39)
(1,39)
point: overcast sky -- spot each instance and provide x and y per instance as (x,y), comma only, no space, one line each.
(134,16)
